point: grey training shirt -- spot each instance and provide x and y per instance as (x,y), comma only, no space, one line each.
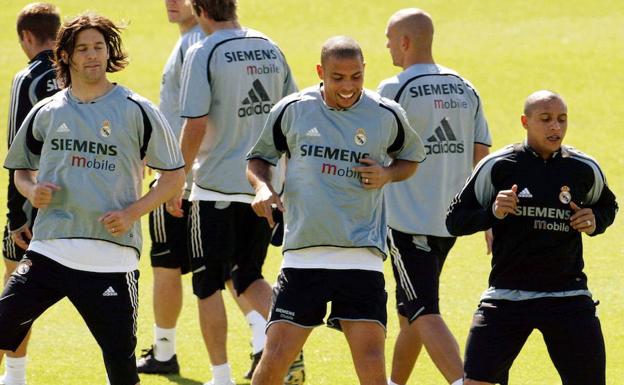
(447,113)
(234,76)
(325,202)
(94,151)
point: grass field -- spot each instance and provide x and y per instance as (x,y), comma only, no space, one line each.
(507,49)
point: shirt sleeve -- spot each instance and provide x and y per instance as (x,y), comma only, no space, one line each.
(601,200)
(471,209)
(406,144)
(272,142)
(162,150)
(195,91)
(25,149)
(482,131)
(290,86)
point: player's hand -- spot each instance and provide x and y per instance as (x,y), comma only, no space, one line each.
(174,206)
(264,201)
(583,220)
(506,202)
(117,222)
(489,239)
(372,175)
(41,194)
(22,236)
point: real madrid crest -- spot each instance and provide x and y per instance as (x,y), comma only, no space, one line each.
(564,196)
(105,131)
(360,137)
(23,267)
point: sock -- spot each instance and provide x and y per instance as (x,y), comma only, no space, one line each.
(390,382)
(222,374)
(257,323)
(15,370)
(458,382)
(164,343)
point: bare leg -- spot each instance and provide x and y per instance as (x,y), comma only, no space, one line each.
(213,324)
(406,350)
(441,345)
(167,297)
(366,341)
(284,342)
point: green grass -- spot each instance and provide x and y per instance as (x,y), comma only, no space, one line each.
(507,49)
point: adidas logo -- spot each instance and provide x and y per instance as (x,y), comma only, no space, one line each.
(444,140)
(313,132)
(110,292)
(62,128)
(525,193)
(257,101)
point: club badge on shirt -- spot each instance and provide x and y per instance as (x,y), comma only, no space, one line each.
(360,137)
(105,131)
(564,196)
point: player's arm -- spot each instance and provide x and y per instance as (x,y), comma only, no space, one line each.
(472,208)
(193,132)
(599,209)
(120,221)
(480,151)
(40,194)
(373,175)
(259,176)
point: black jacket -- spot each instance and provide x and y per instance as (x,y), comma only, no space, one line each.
(536,249)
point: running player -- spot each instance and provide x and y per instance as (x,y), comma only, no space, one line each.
(538,197)
(337,137)
(446,110)
(169,256)
(230,81)
(88,143)
(37,24)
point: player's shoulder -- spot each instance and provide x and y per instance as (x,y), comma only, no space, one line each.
(123,92)
(305,96)
(191,37)
(509,152)
(579,156)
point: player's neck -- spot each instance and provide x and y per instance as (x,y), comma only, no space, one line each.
(87,92)
(416,58)
(186,25)
(37,49)
(214,26)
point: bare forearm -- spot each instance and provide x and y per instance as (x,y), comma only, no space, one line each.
(169,184)
(193,133)
(480,151)
(258,173)
(401,169)
(25,182)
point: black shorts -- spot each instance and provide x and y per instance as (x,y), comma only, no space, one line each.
(417,262)
(169,236)
(226,240)
(301,296)
(106,301)
(570,328)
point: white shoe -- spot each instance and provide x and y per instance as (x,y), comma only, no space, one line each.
(2,382)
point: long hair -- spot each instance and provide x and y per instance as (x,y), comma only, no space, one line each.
(66,42)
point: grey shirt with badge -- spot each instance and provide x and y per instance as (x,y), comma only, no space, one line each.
(447,113)
(325,202)
(235,76)
(94,152)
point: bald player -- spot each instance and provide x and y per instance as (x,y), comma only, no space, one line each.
(538,197)
(447,113)
(337,137)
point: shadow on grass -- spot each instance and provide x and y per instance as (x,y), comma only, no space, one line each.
(181,380)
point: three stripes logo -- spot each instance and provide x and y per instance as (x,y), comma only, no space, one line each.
(443,140)
(257,101)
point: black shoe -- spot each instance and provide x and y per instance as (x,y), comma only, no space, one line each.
(149,364)
(255,358)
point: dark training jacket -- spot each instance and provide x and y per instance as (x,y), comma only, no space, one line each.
(536,249)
